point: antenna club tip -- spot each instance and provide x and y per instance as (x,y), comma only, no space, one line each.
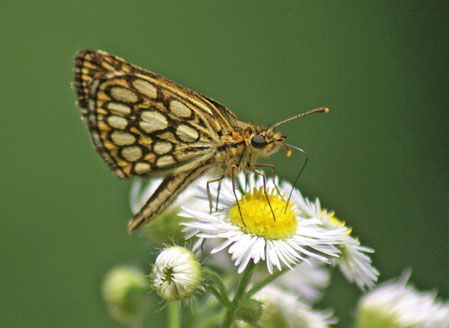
(326,110)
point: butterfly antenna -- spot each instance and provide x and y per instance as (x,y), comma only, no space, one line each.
(300,171)
(313,111)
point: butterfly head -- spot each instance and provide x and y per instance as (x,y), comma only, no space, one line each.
(266,141)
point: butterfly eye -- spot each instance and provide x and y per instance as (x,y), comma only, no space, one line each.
(258,141)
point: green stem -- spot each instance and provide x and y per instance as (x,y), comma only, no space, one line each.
(261,284)
(173,314)
(215,278)
(239,295)
(219,296)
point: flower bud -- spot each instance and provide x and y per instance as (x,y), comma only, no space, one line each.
(176,274)
(125,292)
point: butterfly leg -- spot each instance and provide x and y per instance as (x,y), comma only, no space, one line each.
(209,194)
(233,168)
(273,170)
(246,181)
(164,195)
(218,195)
(265,192)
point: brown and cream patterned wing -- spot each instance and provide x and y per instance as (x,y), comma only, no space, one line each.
(139,122)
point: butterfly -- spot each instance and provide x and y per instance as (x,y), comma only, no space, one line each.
(145,125)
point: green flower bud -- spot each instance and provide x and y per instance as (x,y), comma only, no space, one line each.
(125,292)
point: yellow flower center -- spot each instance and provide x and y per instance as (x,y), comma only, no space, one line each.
(257,217)
(335,221)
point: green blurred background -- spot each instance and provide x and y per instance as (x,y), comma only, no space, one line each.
(379,158)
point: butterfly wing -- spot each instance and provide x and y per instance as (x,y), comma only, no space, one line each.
(145,125)
(141,123)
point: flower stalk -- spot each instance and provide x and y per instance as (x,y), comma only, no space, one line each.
(173,314)
(221,294)
(261,284)
(230,316)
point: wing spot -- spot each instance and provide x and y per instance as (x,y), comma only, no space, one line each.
(117,122)
(123,94)
(168,136)
(144,140)
(108,145)
(179,109)
(90,65)
(96,139)
(122,138)
(131,153)
(150,157)
(162,147)
(102,126)
(118,108)
(187,133)
(107,66)
(164,161)
(142,167)
(152,121)
(146,88)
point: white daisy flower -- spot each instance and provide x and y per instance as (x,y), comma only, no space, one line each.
(283,310)
(255,235)
(398,304)
(356,265)
(353,262)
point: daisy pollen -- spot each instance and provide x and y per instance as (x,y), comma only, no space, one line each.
(257,218)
